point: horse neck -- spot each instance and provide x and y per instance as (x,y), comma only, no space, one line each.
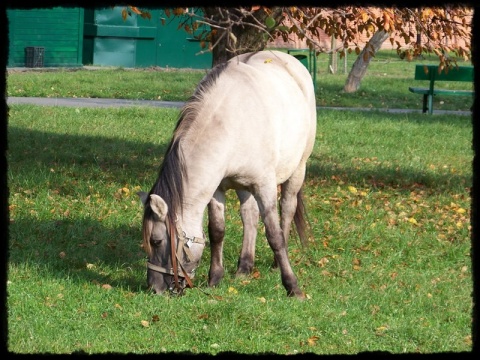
(198,191)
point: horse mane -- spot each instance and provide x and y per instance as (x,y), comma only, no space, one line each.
(170,182)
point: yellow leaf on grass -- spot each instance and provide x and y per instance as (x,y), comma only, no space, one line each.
(352,189)
(145,323)
(262,299)
(461,211)
(412,220)
(232,290)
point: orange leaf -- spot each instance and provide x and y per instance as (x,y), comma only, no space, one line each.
(135,10)
(124,14)
(312,340)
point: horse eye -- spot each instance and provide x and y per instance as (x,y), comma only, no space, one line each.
(155,242)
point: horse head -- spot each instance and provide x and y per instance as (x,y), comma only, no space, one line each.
(172,256)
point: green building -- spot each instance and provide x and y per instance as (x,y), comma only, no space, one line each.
(76,36)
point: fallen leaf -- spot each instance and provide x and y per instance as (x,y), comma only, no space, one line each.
(323,261)
(352,189)
(155,318)
(106,286)
(145,323)
(62,255)
(312,340)
(262,299)
(232,290)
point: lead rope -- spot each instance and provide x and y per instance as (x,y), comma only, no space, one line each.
(174,257)
(174,261)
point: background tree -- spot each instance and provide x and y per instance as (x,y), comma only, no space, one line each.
(231,31)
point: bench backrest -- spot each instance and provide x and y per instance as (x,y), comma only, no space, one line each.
(430,72)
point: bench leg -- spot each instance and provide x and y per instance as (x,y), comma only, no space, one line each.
(425,98)
(430,104)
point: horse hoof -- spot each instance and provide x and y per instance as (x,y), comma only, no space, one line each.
(243,271)
(297,294)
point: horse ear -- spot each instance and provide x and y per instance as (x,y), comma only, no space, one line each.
(159,206)
(143,197)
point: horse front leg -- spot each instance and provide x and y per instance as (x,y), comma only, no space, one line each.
(267,203)
(249,213)
(216,233)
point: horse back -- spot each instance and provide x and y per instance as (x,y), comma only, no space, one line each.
(258,116)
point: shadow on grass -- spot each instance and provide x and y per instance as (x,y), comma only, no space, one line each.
(386,177)
(117,160)
(80,250)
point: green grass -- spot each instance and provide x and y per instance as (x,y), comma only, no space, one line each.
(389,268)
(385,85)
(119,83)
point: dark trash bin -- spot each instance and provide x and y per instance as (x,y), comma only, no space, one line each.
(303,59)
(34,56)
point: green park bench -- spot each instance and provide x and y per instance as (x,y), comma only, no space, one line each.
(432,74)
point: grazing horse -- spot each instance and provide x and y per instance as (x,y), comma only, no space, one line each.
(250,126)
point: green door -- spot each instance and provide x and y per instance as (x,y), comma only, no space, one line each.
(113,41)
(176,48)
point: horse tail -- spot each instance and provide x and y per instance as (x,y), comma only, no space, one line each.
(300,219)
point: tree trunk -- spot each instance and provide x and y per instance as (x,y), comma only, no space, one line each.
(359,68)
(248,38)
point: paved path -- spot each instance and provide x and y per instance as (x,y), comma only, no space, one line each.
(96,102)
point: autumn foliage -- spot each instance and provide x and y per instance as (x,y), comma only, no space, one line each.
(444,30)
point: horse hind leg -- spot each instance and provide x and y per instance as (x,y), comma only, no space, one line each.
(249,213)
(267,202)
(292,207)
(216,233)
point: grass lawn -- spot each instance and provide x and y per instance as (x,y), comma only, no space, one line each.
(385,85)
(388,267)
